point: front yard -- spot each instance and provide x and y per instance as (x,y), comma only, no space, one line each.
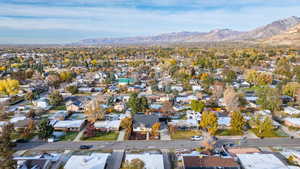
(184,134)
(70,136)
(227,132)
(103,136)
(274,133)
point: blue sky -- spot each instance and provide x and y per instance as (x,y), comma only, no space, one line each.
(63,21)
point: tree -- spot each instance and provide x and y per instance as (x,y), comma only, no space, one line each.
(72,89)
(217,90)
(133,103)
(197,106)
(65,76)
(45,129)
(30,96)
(209,122)
(155,129)
(237,122)
(53,80)
(263,127)
(6,153)
(93,111)
(291,88)
(231,99)
(258,78)
(143,104)
(29,129)
(229,76)
(133,164)
(9,86)
(269,98)
(137,104)
(126,123)
(55,98)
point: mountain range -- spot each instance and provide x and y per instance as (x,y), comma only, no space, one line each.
(272,33)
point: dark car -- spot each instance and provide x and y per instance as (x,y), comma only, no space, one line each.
(84,147)
(21,141)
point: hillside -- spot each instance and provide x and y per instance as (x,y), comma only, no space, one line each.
(217,35)
(289,37)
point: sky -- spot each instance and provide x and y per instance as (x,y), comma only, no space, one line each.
(65,21)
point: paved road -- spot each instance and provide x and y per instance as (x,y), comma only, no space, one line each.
(159,144)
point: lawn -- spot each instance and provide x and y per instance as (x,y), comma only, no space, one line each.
(70,136)
(101,136)
(227,132)
(60,107)
(185,134)
(275,133)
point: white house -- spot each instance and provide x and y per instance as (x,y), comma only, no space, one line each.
(93,161)
(291,111)
(151,161)
(42,103)
(261,161)
(69,125)
(107,125)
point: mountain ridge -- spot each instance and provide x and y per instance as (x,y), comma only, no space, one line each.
(216,35)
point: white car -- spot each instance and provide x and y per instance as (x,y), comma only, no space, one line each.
(197,138)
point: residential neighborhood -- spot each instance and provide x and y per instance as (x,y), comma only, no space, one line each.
(150,108)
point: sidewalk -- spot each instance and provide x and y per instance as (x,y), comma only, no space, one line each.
(288,132)
(121,135)
(79,135)
(164,134)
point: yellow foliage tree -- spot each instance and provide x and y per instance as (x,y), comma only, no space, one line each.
(9,86)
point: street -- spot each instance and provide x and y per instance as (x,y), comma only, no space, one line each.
(159,144)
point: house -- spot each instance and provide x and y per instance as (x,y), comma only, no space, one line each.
(224,122)
(59,115)
(42,103)
(143,122)
(196,88)
(211,162)
(43,161)
(119,107)
(69,125)
(193,115)
(151,161)
(184,124)
(292,122)
(106,125)
(177,88)
(85,89)
(93,161)
(260,161)
(125,81)
(74,105)
(291,111)
(21,124)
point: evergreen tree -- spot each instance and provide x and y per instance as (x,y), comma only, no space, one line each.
(45,129)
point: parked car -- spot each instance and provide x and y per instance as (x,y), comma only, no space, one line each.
(84,147)
(21,141)
(229,145)
(196,138)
